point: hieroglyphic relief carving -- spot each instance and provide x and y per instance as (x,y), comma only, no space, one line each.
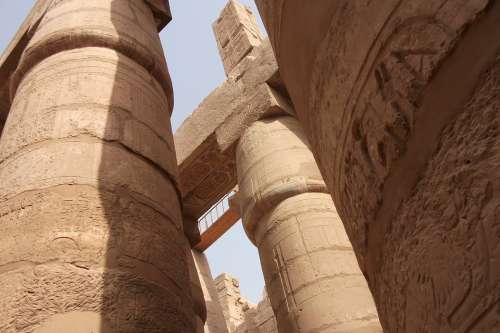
(434,253)
(207,179)
(383,117)
(379,102)
(453,263)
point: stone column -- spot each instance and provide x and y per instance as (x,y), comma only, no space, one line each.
(311,273)
(197,294)
(90,222)
(399,100)
(215,317)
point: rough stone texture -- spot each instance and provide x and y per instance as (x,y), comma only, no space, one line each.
(90,221)
(206,140)
(12,55)
(242,316)
(259,318)
(237,33)
(311,273)
(405,129)
(197,294)
(161,12)
(215,318)
(232,303)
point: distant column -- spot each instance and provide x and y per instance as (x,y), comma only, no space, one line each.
(311,273)
(215,317)
(197,294)
(90,221)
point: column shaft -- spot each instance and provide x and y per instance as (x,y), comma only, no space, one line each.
(400,100)
(90,218)
(215,318)
(199,306)
(311,272)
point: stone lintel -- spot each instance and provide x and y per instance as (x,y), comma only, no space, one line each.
(205,142)
(237,33)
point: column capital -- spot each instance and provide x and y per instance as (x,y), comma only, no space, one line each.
(274,163)
(161,12)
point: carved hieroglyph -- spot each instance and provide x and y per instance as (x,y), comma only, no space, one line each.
(311,273)
(90,221)
(402,114)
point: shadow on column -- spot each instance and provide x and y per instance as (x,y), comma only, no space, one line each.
(91,226)
(146,282)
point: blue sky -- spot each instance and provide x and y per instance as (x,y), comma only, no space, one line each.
(196,70)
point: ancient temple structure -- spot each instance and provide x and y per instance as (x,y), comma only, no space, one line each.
(255,142)
(357,144)
(399,101)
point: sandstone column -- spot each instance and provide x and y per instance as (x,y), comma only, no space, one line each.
(312,276)
(197,294)
(90,221)
(399,100)
(215,318)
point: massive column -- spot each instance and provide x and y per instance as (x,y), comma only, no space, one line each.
(399,100)
(90,223)
(311,273)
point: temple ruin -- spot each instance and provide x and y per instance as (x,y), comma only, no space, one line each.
(357,145)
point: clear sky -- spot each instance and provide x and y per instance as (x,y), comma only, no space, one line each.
(196,70)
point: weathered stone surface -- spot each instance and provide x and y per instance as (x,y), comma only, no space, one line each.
(215,318)
(11,57)
(237,33)
(80,322)
(200,308)
(400,116)
(260,318)
(233,304)
(242,316)
(311,273)
(161,12)
(206,139)
(90,217)
(191,231)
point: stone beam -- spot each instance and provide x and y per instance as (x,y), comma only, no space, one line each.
(205,142)
(88,148)
(237,33)
(10,58)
